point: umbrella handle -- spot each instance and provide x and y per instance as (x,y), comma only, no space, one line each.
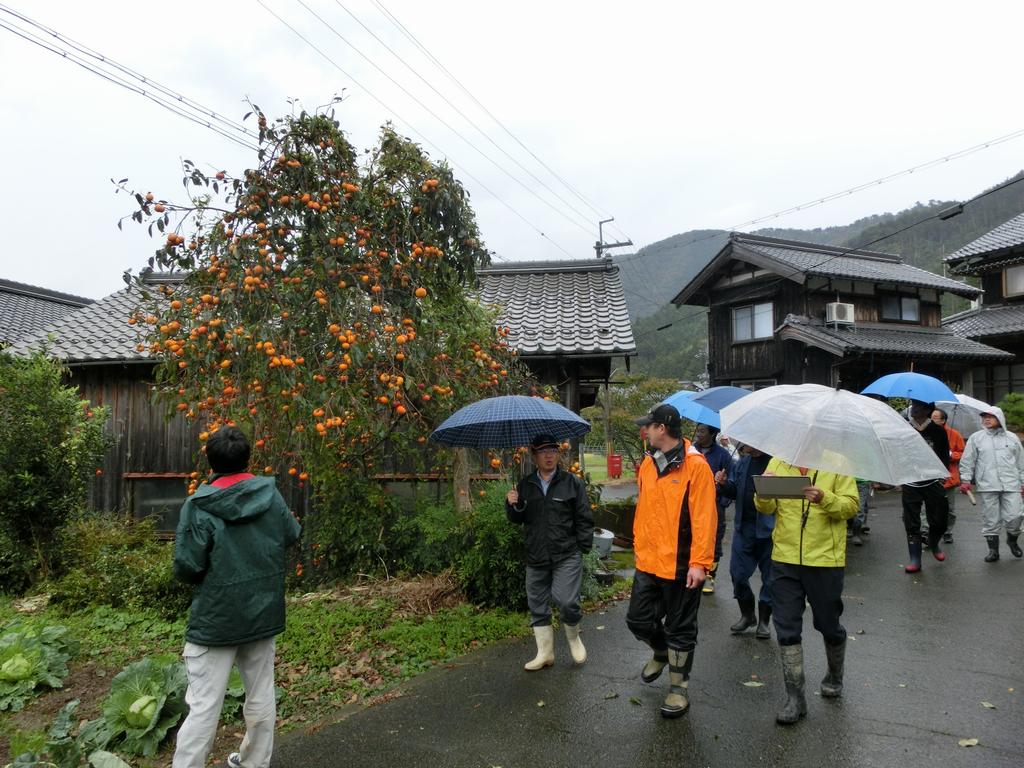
(970,495)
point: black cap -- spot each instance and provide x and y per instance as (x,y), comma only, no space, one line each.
(544,440)
(661,414)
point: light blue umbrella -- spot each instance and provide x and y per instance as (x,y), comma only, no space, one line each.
(916,386)
(703,407)
(507,422)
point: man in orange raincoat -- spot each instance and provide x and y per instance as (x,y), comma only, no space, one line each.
(952,484)
(674,543)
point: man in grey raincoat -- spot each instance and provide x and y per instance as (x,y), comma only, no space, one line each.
(993,465)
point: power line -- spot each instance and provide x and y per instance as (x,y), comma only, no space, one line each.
(467,118)
(107,61)
(161,95)
(120,81)
(438,117)
(940,215)
(433,59)
(373,96)
(882,180)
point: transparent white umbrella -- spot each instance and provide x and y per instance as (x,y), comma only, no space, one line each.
(810,425)
(964,414)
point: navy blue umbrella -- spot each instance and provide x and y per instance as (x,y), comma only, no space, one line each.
(916,386)
(507,422)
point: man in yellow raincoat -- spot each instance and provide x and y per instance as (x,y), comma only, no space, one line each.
(808,562)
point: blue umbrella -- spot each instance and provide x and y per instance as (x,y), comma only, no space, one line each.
(507,422)
(682,401)
(703,407)
(916,386)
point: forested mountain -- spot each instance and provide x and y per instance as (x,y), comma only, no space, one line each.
(671,340)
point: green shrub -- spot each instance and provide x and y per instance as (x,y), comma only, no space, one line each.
(351,527)
(484,550)
(430,539)
(490,565)
(590,588)
(117,562)
(51,443)
(1013,410)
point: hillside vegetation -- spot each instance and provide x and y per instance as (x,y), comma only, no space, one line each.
(672,341)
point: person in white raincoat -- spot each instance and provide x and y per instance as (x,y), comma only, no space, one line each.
(993,465)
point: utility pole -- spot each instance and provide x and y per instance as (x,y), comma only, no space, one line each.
(600,246)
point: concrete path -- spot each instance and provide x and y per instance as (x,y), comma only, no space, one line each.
(925,651)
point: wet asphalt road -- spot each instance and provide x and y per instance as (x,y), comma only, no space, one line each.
(925,651)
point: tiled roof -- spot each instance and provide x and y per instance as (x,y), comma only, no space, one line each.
(987,321)
(560,307)
(550,307)
(832,261)
(98,332)
(27,309)
(992,248)
(896,341)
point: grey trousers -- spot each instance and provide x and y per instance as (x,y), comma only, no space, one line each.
(1000,508)
(208,669)
(559,584)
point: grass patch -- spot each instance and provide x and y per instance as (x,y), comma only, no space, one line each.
(596,467)
(340,646)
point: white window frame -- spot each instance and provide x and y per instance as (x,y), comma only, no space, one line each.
(1018,271)
(755,312)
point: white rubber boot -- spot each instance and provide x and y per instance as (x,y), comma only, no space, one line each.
(572,634)
(545,657)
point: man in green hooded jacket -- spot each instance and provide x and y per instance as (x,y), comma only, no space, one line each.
(232,542)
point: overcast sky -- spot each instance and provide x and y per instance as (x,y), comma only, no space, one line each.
(669,116)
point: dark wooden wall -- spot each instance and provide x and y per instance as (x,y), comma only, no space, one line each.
(145,441)
(752,359)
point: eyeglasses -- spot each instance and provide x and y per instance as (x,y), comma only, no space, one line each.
(549,449)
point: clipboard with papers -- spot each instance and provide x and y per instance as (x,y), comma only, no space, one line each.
(781,487)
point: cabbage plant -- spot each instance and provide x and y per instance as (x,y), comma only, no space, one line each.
(147,699)
(31,657)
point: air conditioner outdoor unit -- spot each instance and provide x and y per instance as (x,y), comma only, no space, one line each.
(839,312)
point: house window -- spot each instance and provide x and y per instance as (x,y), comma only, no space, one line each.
(753,321)
(1013,280)
(904,308)
(159,496)
(754,384)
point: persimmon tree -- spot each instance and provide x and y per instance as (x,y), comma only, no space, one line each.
(325,302)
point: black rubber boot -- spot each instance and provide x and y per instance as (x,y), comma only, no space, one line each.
(747,619)
(915,557)
(678,699)
(1011,540)
(793,676)
(653,668)
(764,622)
(993,549)
(832,683)
(855,539)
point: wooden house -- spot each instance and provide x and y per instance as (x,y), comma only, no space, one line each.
(788,312)
(997,259)
(147,468)
(567,319)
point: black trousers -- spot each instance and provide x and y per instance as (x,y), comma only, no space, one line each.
(936,509)
(663,612)
(792,586)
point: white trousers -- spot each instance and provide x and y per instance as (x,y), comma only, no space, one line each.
(1000,508)
(208,669)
